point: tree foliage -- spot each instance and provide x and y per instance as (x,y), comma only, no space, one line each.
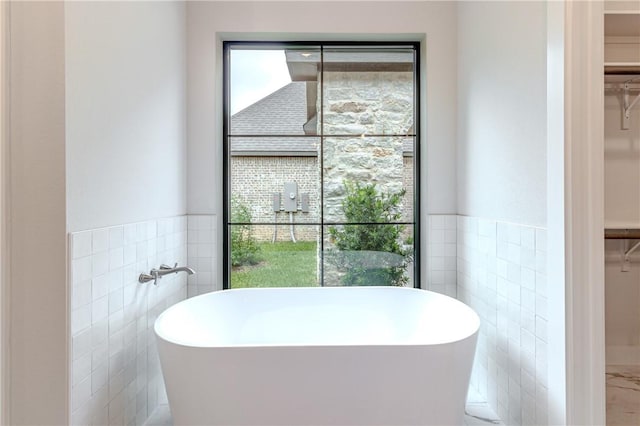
(244,248)
(369,252)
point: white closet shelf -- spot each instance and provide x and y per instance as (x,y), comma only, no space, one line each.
(623,64)
(622,68)
(620,224)
(622,41)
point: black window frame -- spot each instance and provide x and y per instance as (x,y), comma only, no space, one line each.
(228,45)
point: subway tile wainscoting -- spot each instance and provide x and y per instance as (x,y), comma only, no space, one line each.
(497,268)
(502,276)
(202,254)
(115,369)
(441,254)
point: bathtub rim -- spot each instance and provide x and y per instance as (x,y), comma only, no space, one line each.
(473,328)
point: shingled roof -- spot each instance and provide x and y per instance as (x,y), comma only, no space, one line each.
(283,112)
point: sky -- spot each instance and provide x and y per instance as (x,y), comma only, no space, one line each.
(256,74)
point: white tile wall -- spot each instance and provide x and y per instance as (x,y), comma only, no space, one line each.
(203,254)
(441,254)
(115,369)
(497,268)
(502,275)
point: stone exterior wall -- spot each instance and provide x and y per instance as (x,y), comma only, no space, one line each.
(365,105)
(254,179)
(407,206)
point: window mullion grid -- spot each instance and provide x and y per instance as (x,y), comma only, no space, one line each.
(322,223)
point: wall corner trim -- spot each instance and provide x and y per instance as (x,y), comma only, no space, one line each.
(584,212)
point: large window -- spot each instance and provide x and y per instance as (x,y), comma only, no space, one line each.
(321,164)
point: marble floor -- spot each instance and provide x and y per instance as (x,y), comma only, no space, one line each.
(623,395)
(477,413)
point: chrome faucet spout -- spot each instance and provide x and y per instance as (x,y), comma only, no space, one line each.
(155,274)
(168,270)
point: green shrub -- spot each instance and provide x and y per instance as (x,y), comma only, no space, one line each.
(244,248)
(384,260)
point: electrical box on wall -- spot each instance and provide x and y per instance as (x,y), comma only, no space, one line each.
(276,201)
(304,203)
(290,197)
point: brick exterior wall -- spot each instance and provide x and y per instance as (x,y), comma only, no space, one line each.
(255,179)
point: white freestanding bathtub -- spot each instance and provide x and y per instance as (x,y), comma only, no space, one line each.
(317,356)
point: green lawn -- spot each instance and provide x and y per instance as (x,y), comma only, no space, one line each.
(283,264)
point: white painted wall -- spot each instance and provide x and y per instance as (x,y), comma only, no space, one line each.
(502,171)
(622,295)
(624,5)
(211,22)
(38,295)
(502,111)
(98,137)
(125,112)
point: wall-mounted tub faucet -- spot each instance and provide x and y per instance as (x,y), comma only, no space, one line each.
(156,274)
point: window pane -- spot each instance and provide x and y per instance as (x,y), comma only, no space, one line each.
(368,255)
(274,92)
(320,146)
(378,168)
(368,91)
(257,262)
